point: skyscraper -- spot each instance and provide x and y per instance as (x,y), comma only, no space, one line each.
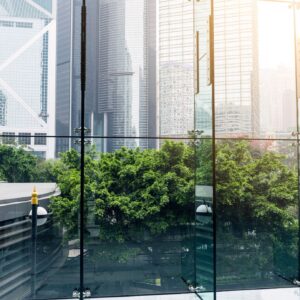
(277,91)
(126,66)
(67,72)
(27,72)
(176,68)
(236,67)
(121,66)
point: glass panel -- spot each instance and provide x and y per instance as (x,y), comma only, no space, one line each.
(297,23)
(256,153)
(297,35)
(203,86)
(139,208)
(275,294)
(255,88)
(68,83)
(176,101)
(48,265)
(257,214)
(277,91)
(121,69)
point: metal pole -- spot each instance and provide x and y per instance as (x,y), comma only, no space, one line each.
(34,206)
(82,150)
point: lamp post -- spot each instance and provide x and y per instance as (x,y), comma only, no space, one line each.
(34,207)
(38,216)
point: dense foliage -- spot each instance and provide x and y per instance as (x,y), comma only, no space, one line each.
(129,190)
(257,196)
(18,165)
(132,194)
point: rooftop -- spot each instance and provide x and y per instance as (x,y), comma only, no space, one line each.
(23,191)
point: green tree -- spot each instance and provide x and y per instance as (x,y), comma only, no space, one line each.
(256,204)
(17,165)
(133,194)
(254,189)
(130,191)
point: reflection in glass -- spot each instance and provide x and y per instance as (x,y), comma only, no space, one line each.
(139,208)
(204,235)
(204,238)
(277,87)
(236,68)
(297,23)
(176,74)
(121,70)
(257,213)
(254,69)
(57,251)
(142,202)
(148,221)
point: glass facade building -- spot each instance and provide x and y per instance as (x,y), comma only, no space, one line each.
(176,59)
(236,68)
(121,70)
(28,100)
(67,72)
(170,171)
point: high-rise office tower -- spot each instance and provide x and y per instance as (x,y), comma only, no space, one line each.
(236,67)
(277,80)
(27,73)
(67,71)
(121,71)
(176,63)
(277,92)
(126,72)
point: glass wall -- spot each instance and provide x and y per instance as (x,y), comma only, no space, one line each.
(135,177)
(256,154)
(185,175)
(139,205)
(204,132)
(45,267)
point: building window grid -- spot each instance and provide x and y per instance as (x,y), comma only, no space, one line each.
(40,139)
(24,138)
(8,138)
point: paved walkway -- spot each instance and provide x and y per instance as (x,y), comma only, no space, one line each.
(270,294)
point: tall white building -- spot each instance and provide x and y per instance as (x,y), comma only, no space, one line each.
(236,67)
(277,92)
(27,74)
(176,65)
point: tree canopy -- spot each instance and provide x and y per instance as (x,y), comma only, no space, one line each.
(134,194)
(19,165)
(129,189)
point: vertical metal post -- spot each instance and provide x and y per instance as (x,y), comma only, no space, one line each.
(82,148)
(34,206)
